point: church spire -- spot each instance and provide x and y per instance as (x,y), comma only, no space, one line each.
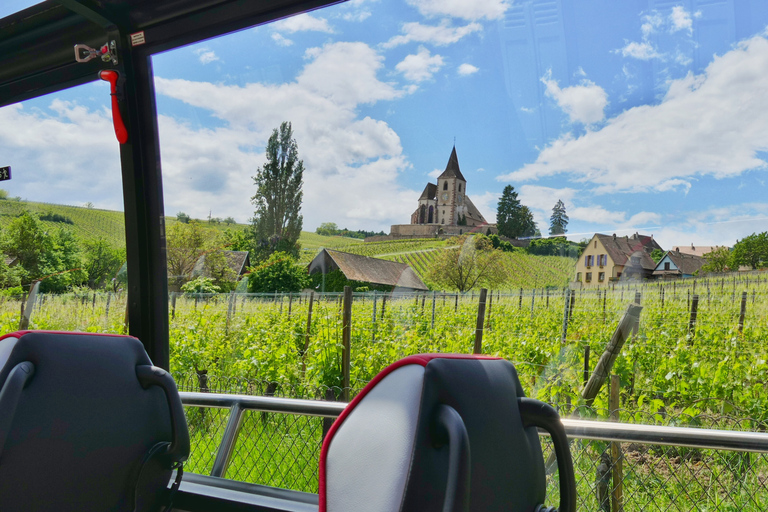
(452,169)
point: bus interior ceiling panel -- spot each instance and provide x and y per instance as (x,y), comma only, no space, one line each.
(36,44)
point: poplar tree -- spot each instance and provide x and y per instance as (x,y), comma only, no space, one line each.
(277,220)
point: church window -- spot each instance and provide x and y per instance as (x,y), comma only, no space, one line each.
(459,187)
(445,185)
(431,212)
(442,221)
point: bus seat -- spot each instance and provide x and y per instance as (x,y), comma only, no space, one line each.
(86,424)
(443,433)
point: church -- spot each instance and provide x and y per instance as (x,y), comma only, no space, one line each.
(443,208)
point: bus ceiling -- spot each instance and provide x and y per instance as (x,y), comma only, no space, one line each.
(38,56)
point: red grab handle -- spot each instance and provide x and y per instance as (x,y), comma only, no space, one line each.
(120,131)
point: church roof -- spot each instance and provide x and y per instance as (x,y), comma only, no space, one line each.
(430,191)
(452,169)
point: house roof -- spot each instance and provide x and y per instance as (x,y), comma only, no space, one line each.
(237,261)
(699,250)
(452,169)
(621,248)
(367,269)
(686,264)
(430,191)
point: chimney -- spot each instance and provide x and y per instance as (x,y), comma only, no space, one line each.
(614,236)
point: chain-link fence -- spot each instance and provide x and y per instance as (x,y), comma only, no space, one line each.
(282,450)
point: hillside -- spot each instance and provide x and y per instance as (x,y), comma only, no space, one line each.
(525,271)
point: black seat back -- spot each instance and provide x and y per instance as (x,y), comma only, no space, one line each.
(86,423)
(442,433)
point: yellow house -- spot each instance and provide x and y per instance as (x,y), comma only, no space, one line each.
(609,258)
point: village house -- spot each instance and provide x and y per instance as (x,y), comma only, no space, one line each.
(610,258)
(676,265)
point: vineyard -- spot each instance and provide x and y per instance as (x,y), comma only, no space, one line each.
(664,367)
(709,369)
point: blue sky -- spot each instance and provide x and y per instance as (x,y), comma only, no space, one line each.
(647,116)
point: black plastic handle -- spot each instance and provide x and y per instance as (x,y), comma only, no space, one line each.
(450,430)
(538,414)
(9,397)
(178,451)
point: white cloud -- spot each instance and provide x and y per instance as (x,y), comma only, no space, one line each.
(206,55)
(352,163)
(641,51)
(435,173)
(81,161)
(711,124)
(357,16)
(467,69)
(583,103)
(680,19)
(439,35)
(302,23)
(281,40)
(486,204)
(421,66)
(474,10)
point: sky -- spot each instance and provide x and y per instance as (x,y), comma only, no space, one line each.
(647,116)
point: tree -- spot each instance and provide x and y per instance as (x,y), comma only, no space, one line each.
(656,255)
(185,243)
(471,262)
(328,229)
(526,225)
(279,273)
(513,219)
(507,212)
(718,260)
(183,217)
(751,250)
(42,254)
(558,222)
(277,221)
(102,261)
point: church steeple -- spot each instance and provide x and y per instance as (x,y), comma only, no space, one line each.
(452,169)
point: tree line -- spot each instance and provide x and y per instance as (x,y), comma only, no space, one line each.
(515,220)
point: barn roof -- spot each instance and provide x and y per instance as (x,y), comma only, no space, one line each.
(366,269)
(237,261)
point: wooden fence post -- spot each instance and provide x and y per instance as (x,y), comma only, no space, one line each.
(533,300)
(307,334)
(290,304)
(26,314)
(433,310)
(586,365)
(173,305)
(488,315)
(383,306)
(109,299)
(346,337)
(373,327)
(566,304)
(520,304)
(743,312)
(617,496)
(627,324)
(478,349)
(692,319)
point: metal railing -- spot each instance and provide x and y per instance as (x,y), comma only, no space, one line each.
(276,441)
